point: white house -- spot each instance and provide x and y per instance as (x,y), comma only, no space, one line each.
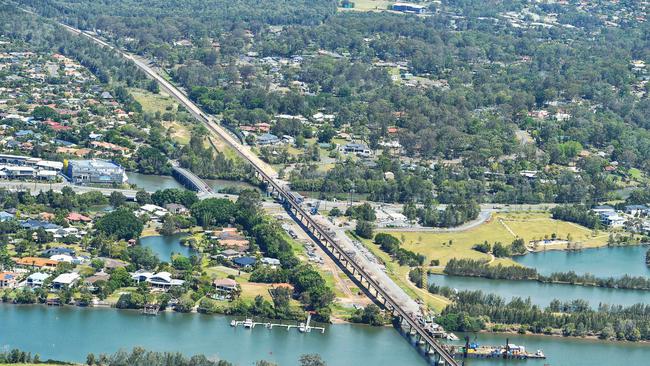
(37,279)
(65,280)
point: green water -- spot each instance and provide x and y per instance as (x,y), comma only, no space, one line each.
(565,351)
(603,262)
(165,246)
(543,293)
(70,333)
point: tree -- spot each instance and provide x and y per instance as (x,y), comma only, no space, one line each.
(121,223)
(518,246)
(143,197)
(326,133)
(117,199)
(364,229)
(153,87)
(311,360)
(213,212)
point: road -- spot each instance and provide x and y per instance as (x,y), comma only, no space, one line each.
(36,187)
(371,266)
(400,303)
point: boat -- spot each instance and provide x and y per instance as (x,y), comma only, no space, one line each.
(248,323)
(233,323)
(304,328)
(452,337)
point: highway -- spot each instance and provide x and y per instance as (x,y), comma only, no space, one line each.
(36,187)
(396,299)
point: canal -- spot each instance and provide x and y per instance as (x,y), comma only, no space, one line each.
(153,183)
(165,246)
(542,293)
(602,262)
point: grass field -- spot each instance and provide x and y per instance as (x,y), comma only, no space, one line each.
(152,103)
(178,132)
(503,227)
(399,274)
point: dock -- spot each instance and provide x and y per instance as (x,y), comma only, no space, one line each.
(302,327)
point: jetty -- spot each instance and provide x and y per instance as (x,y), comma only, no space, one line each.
(303,327)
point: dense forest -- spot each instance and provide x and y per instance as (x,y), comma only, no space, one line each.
(480,268)
(491,77)
(475,310)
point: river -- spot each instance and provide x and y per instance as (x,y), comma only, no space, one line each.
(153,183)
(565,351)
(69,333)
(602,262)
(542,293)
(165,246)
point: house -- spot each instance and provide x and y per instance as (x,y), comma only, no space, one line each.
(245,262)
(43,263)
(359,149)
(267,139)
(58,251)
(635,210)
(9,279)
(6,216)
(161,280)
(176,209)
(224,288)
(603,209)
(612,219)
(270,261)
(65,280)
(230,253)
(164,280)
(37,279)
(99,276)
(95,171)
(38,224)
(63,258)
(77,217)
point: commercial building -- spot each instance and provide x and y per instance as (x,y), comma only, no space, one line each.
(95,171)
(409,8)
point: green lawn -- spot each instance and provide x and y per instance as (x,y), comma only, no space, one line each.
(501,227)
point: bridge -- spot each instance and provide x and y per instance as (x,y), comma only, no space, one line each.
(377,286)
(190,180)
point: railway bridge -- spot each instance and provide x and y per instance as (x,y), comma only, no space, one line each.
(408,320)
